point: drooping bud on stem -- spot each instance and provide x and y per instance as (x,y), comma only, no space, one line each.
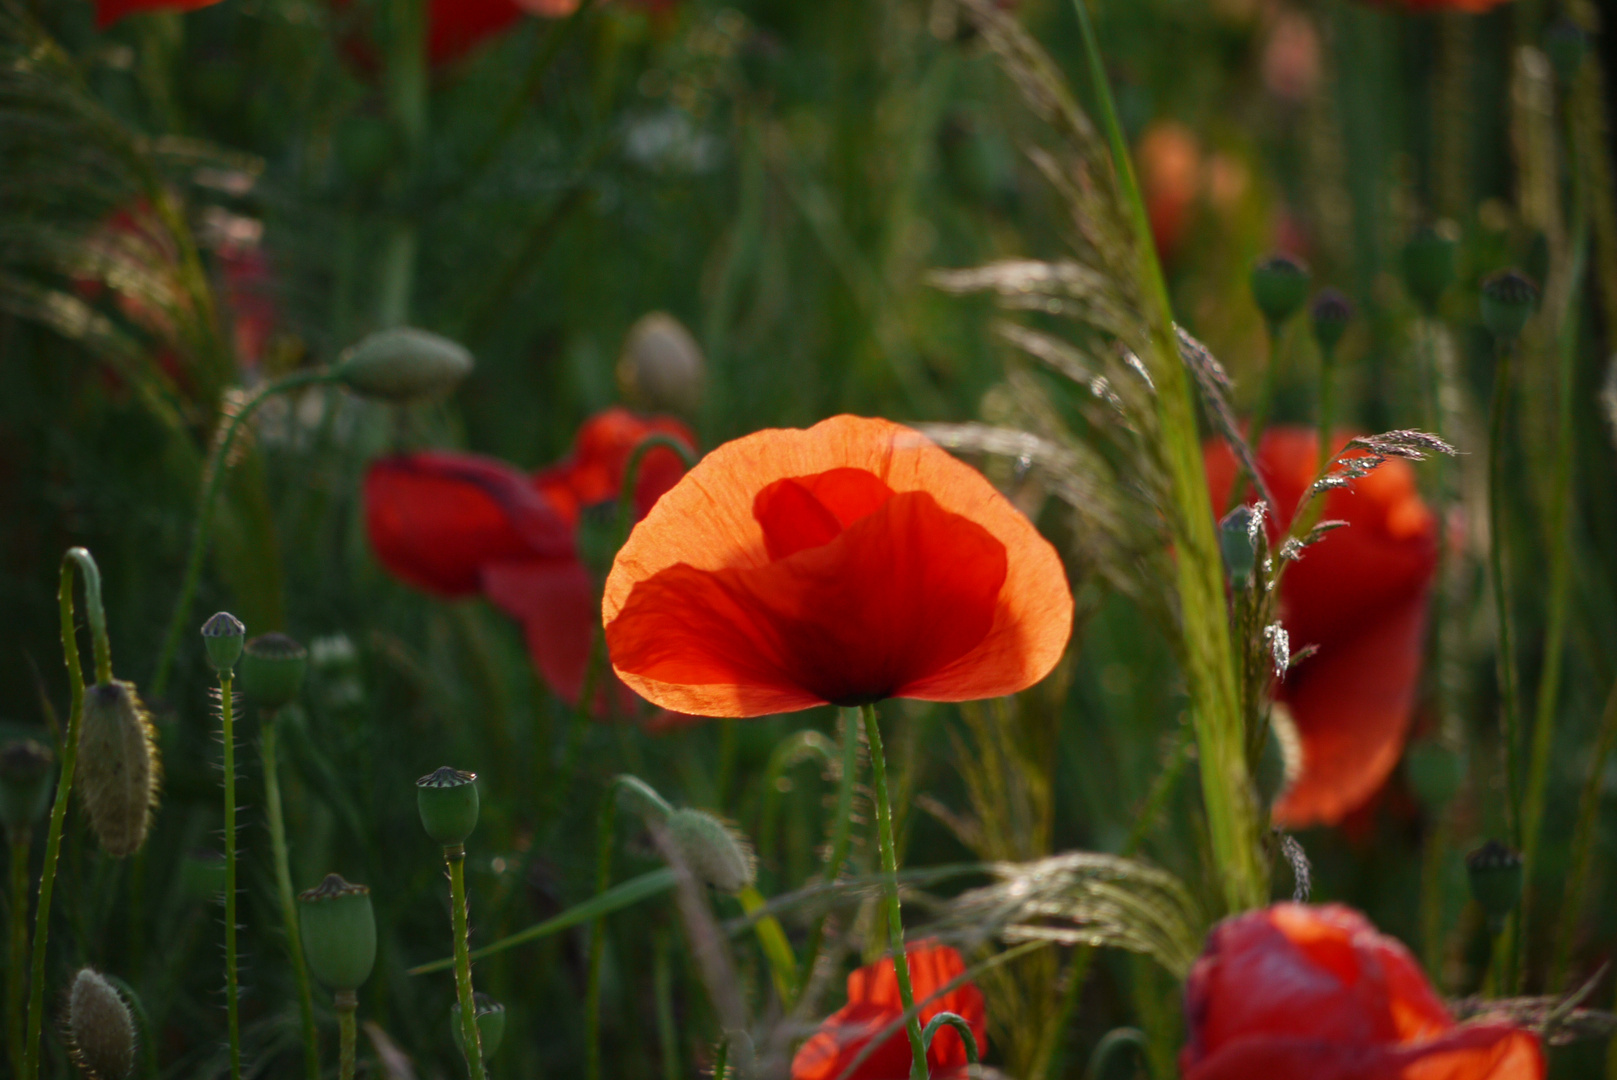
(1508,300)
(716,854)
(490,1016)
(100,1029)
(223,635)
(339,932)
(119,771)
(272,669)
(1279,287)
(403,364)
(1495,872)
(447,799)
(1429,260)
(25,786)
(662,368)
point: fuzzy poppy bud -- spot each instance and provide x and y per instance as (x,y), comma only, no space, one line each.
(119,770)
(1496,881)
(1435,773)
(223,634)
(1567,44)
(1331,311)
(1238,540)
(1508,299)
(404,364)
(490,1015)
(339,932)
(1279,286)
(448,803)
(25,785)
(100,1028)
(272,669)
(1429,260)
(662,368)
(714,851)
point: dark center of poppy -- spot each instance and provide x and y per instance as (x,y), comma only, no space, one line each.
(803,512)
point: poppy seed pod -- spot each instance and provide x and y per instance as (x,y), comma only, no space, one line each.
(1567,44)
(272,669)
(1495,872)
(662,367)
(490,1015)
(100,1028)
(448,803)
(403,364)
(715,853)
(1279,286)
(223,635)
(119,770)
(1429,260)
(1508,300)
(25,785)
(1238,540)
(1331,312)
(339,932)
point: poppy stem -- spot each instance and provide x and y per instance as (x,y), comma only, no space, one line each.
(1583,845)
(1510,730)
(347,1003)
(1275,332)
(471,1038)
(232,1003)
(841,828)
(606,820)
(276,821)
(16,982)
(895,917)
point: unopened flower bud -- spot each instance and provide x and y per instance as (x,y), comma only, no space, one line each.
(272,669)
(662,368)
(100,1027)
(119,770)
(1435,773)
(404,364)
(1508,300)
(448,803)
(1496,881)
(25,785)
(1279,286)
(490,1015)
(1429,260)
(1567,44)
(1238,540)
(715,853)
(223,635)
(1331,311)
(339,932)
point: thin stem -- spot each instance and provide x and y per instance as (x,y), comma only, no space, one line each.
(663,988)
(232,1003)
(471,1040)
(1583,844)
(1327,407)
(1433,857)
(283,893)
(16,966)
(64,788)
(1275,332)
(895,917)
(603,878)
(1497,566)
(347,1002)
(212,475)
(407,106)
(841,827)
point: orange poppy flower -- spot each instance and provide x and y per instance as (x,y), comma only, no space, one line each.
(1294,992)
(108,12)
(846,563)
(459,525)
(873,1004)
(1360,595)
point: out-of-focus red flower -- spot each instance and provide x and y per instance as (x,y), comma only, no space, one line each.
(847,563)
(1170,161)
(1360,595)
(460,525)
(108,12)
(1474,6)
(1315,993)
(873,1003)
(457,27)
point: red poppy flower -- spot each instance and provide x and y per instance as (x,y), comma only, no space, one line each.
(1294,992)
(846,563)
(1170,162)
(458,524)
(1473,6)
(873,1004)
(1360,595)
(108,12)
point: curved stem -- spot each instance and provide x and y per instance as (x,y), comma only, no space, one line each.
(16,966)
(841,827)
(347,1002)
(283,893)
(212,474)
(895,917)
(471,1040)
(232,993)
(64,788)
(603,878)
(958,1022)
(1118,1040)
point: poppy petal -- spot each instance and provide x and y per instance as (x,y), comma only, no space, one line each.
(1493,1052)
(108,12)
(602,450)
(708,523)
(456,27)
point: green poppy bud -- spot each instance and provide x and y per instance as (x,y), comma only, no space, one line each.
(662,367)
(1429,261)
(490,1024)
(1435,773)
(1238,540)
(1567,44)
(223,635)
(100,1028)
(1496,881)
(119,770)
(1279,286)
(448,803)
(25,785)
(404,364)
(339,932)
(1508,300)
(272,669)
(1331,311)
(715,853)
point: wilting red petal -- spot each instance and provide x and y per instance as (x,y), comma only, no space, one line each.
(435,519)
(602,450)
(108,12)
(701,618)
(1302,993)
(873,1003)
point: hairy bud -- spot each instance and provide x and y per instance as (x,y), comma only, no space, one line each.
(119,770)
(404,364)
(662,367)
(715,853)
(101,1031)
